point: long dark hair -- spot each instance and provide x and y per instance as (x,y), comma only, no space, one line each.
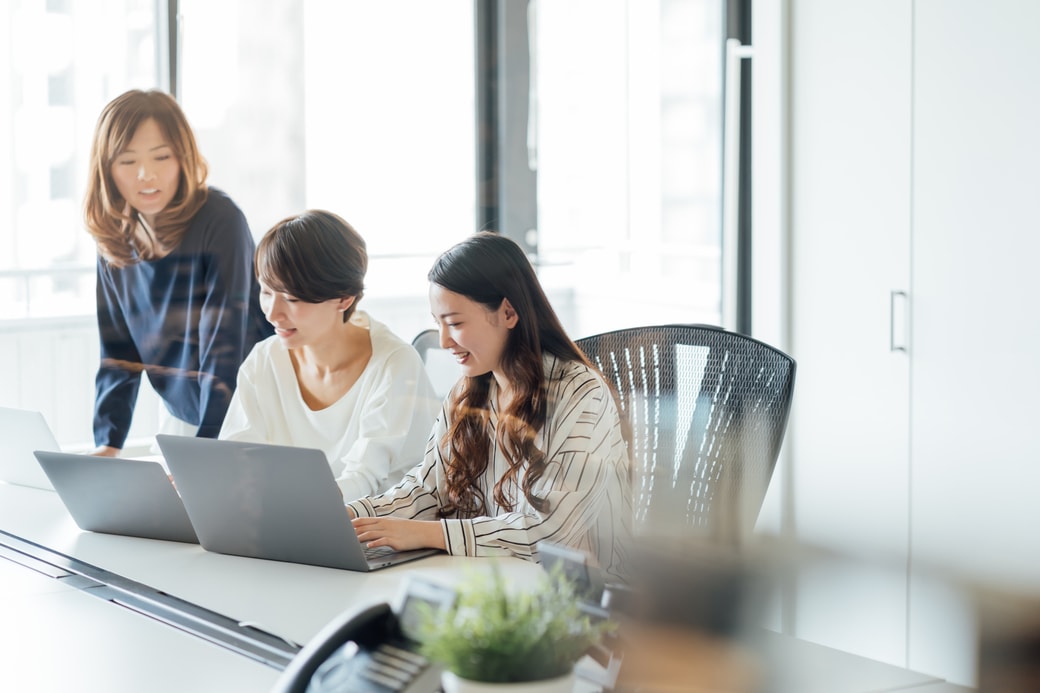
(315,256)
(488,268)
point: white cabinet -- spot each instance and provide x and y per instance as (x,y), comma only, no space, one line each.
(915,166)
(975,366)
(848,441)
(976,284)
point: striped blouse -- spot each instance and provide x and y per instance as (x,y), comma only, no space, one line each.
(586,481)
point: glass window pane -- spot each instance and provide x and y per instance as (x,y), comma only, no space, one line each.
(63,61)
(241,86)
(629,135)
(362,108)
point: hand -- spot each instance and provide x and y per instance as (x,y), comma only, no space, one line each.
(105,451)
(399,534)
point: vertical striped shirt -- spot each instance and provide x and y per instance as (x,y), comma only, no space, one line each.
(586,480)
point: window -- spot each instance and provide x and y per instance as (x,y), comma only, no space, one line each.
(362,108)
(630,163)
(369,109)
(624,136)
(65,62)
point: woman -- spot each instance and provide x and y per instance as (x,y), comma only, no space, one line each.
(528,446)
(176,297)
(331,377)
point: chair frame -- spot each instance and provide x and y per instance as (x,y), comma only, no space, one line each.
(426,340)
(720,469)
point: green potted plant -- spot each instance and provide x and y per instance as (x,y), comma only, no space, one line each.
(523,640)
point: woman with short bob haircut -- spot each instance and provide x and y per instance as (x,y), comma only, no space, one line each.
(176,296)
(528,446)
(331,377)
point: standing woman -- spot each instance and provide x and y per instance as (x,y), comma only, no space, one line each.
(176,295)
(528,446)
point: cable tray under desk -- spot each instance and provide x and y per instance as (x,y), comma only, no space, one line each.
(216,628)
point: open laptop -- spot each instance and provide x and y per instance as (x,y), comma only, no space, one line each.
(23,431)
(269,501)
(118,496)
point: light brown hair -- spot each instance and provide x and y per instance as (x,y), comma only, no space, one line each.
(108,217)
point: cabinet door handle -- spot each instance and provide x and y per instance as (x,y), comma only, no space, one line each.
(898,320)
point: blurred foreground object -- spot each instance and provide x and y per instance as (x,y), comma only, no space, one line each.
(1009,642)
(687,619)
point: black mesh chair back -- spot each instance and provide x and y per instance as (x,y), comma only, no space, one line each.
(426,341)
(708,409)
(440,366)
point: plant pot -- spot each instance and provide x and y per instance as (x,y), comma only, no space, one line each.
(453,684)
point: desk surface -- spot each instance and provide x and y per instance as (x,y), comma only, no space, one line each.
(57,638)
(51,631)
(290,600)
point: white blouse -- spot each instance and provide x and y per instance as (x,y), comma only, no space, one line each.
(371,436)
(586,481)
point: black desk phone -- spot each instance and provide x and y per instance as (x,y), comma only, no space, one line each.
(371,650)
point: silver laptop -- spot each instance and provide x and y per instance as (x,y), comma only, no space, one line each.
(269,501)
(118,496)
(21,432)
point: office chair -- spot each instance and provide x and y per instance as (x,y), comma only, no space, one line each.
(426,341)
(708,409)
(440,366)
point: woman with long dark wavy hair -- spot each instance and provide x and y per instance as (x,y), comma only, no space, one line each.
(528,446)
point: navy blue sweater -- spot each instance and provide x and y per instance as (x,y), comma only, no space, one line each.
(188,320)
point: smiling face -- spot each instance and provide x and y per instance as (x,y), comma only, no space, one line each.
(147,172)
(299,323)
(475,335)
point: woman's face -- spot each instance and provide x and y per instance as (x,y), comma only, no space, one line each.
(147,173)
(299,323)
(474,335)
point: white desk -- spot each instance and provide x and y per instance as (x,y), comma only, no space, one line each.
(56,638)
(54,634)
(290,600)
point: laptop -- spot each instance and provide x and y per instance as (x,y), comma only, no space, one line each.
(21,432)
(275,502)
(118,496)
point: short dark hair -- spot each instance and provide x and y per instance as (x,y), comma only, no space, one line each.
(315,256)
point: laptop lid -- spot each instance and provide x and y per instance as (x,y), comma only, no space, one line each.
(269,501)
(118,496)
(21,432)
